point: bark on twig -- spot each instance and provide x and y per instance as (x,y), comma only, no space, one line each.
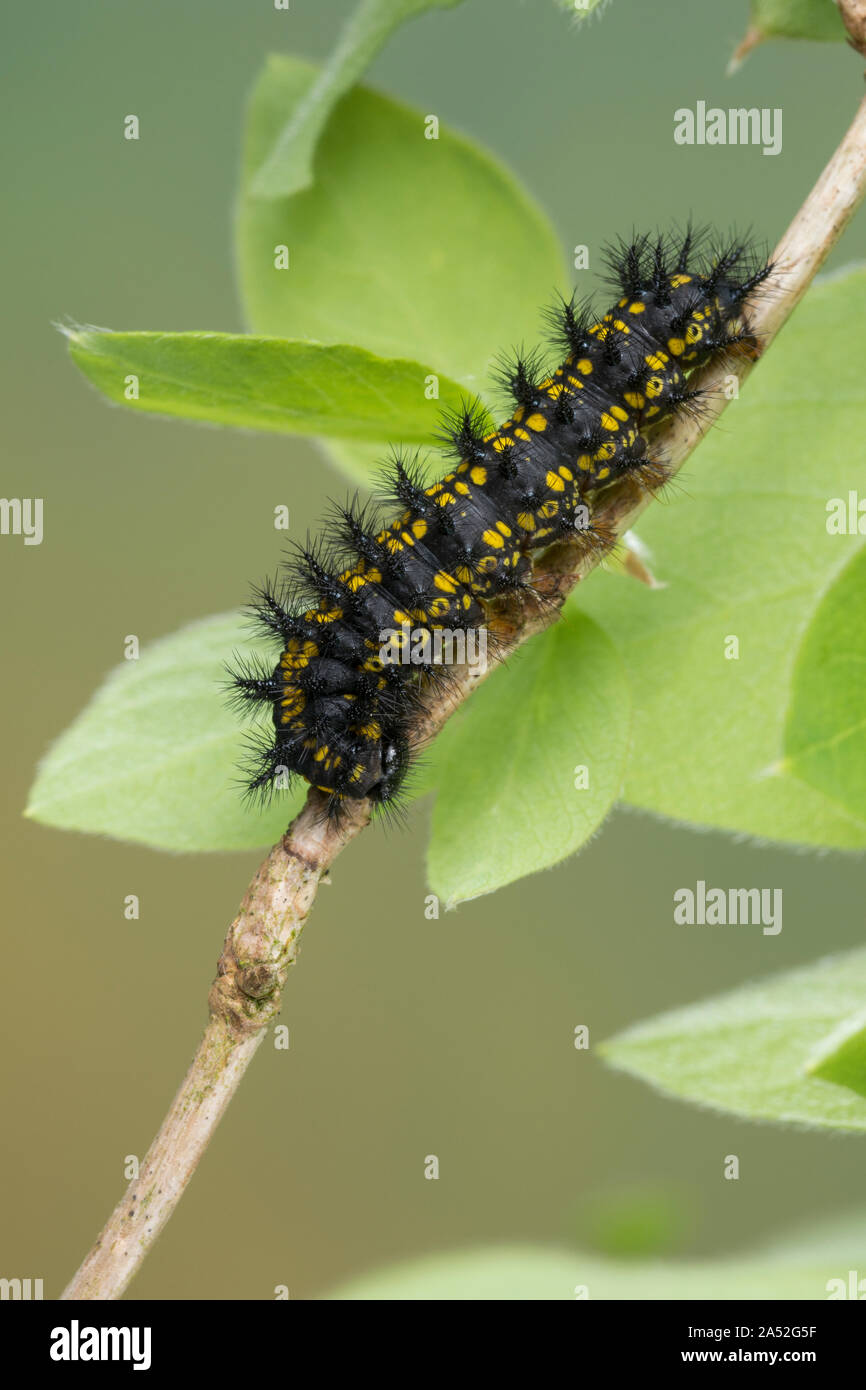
(262,942)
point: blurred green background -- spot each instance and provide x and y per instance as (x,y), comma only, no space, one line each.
(408,1036)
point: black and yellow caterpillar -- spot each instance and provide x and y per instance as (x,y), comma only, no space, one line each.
(342,715)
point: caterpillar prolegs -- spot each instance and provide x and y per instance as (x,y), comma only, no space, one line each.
(342,715)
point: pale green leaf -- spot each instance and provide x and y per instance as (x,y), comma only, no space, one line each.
(507,765)
(288,165)
(154,755)
(402,245)
(825,734)
(743,550)
(811,1264)
(758,1051)
(263,383)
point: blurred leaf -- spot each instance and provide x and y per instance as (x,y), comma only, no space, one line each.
(288,166)
(402,245)
(153,757)
(788,19)
(752,1051)
(646,1221)
(798,19)
(264,383)
(743,550)
(507,804)
(802,1266)
(825,736)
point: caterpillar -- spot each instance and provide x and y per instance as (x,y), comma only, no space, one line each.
(342,715)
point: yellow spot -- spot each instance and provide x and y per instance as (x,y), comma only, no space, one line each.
(463,575)
(504,528)
(637,307)
(608,422)
(445,499)
(653,410)
(444,582)
(536,422)
(463,488)
(621,303)
(618,411)
(635,400)
(676,346)
(521,434)
(584,366)
(518,414)
(573,381)
(548,510)
(463,467)
(565,473)
(555,391)
(439,607)
(487,564)
(623,327)
(554,482)
(654,387)
(493,539)
(694,333)
(479,475)
(606,451)
(503,442)
(656,360)
(419,528)
(677,280)
(602,474)
(526,521)
(584,462)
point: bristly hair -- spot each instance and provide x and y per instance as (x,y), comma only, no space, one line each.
(451,553)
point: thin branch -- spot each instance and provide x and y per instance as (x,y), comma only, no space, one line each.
(262,942)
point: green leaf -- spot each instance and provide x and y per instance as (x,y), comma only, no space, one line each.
(825,735)
(841,1058)
(288,166)
(744,551)
(506,765)
(153,758)
(402,245)
(761,1050)
(798,19)
(788,19)
(263,383)
(813,1264)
